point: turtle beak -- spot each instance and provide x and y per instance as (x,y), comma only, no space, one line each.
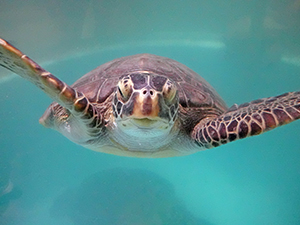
(146,105)
(146,110)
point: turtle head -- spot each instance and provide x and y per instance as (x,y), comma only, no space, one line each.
(145,102)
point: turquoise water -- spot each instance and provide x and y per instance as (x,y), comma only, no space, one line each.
(50,180)
(253,181)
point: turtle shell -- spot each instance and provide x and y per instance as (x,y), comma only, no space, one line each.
(194,91)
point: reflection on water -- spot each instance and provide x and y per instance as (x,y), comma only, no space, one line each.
(123,196)
(265,33)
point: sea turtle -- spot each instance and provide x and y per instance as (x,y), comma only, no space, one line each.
(147,106)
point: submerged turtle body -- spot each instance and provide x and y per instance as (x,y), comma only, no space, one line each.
(144,72)
(147,106)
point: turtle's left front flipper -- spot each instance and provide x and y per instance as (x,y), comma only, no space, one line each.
(247,120)
(79,106)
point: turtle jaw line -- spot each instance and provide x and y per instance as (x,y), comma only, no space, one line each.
(145,123)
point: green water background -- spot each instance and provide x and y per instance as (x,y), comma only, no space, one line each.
(246,50)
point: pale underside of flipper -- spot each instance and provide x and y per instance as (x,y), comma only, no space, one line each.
(247,120)
(75,102)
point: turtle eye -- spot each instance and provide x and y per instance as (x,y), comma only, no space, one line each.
(120,92)
(169,91)
(124,89)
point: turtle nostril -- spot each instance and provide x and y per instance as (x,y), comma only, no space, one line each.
(145,92)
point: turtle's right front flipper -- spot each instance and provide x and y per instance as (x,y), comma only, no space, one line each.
(75,102)
(14,60)
(247,120)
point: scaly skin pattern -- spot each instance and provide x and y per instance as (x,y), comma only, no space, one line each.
(14,60)
(248,119)
(73,100)
(83,111)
